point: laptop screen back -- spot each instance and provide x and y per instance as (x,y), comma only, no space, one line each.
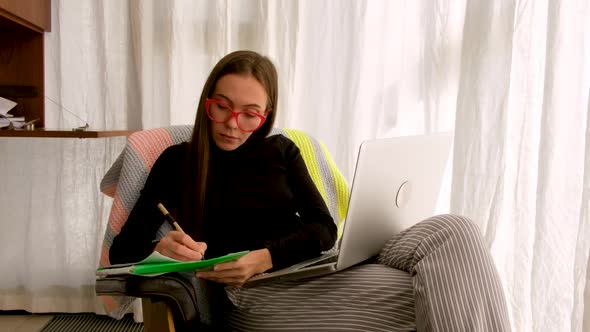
(396,184)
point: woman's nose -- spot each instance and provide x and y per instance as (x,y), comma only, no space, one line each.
(232,121)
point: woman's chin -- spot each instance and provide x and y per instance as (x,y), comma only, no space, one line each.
(227,145)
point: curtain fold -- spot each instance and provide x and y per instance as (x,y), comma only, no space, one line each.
(581,309)
(510,77)
(521,145)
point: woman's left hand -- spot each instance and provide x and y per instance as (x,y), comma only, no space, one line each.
(236,273)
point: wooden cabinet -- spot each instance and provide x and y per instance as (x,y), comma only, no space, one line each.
(22,27)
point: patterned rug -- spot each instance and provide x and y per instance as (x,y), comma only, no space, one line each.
(91,323)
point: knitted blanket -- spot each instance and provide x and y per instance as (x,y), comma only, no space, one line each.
(127,176)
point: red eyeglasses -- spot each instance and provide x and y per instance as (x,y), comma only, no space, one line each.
(220,112)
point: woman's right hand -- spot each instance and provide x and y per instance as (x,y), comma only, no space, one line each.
(181,247)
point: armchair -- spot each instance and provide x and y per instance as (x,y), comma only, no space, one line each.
(437,275)
(170,301)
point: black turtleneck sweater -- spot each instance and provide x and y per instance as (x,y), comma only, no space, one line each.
(258,196)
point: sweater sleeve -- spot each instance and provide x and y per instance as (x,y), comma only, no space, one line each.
(136,239)
(316,231)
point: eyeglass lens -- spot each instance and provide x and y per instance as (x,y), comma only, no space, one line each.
(247,120)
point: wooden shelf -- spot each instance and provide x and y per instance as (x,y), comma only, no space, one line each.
(56,133)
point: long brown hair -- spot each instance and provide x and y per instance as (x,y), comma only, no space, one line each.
(196,166)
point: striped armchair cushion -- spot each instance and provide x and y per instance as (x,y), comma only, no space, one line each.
(126,177)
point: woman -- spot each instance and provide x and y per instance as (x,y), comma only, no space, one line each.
(232,188)
(239,189)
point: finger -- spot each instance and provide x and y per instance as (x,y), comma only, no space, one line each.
(238,264)
(203,247)
(164,248)
(188,241)
(181,257)
(225,266)
(223,274)
(187,253)
(186,247)
(177,236)
(207,276)
(236,281)
(196,246)
(181,252)
(218,274)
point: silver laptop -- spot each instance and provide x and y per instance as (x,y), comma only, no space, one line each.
(396,184)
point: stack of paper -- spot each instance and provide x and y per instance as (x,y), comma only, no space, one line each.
(7,119)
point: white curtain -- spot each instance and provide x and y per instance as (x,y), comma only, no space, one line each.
(52,215)
(349,70)
(510,77)
(522,152)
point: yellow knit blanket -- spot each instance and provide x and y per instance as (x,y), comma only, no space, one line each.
(327,177)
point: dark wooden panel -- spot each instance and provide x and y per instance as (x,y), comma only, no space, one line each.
(34,14)
(21,63)
(22,23)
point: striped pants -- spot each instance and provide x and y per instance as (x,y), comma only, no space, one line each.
(435,276)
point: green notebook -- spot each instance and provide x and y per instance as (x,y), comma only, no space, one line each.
(157,264)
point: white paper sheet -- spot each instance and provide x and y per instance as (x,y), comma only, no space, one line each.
(6,105)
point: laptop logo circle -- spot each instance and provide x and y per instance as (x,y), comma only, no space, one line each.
(403,194)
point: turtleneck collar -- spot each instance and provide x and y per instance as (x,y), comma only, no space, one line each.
(244,148)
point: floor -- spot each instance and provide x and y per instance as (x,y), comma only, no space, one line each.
(23,322)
